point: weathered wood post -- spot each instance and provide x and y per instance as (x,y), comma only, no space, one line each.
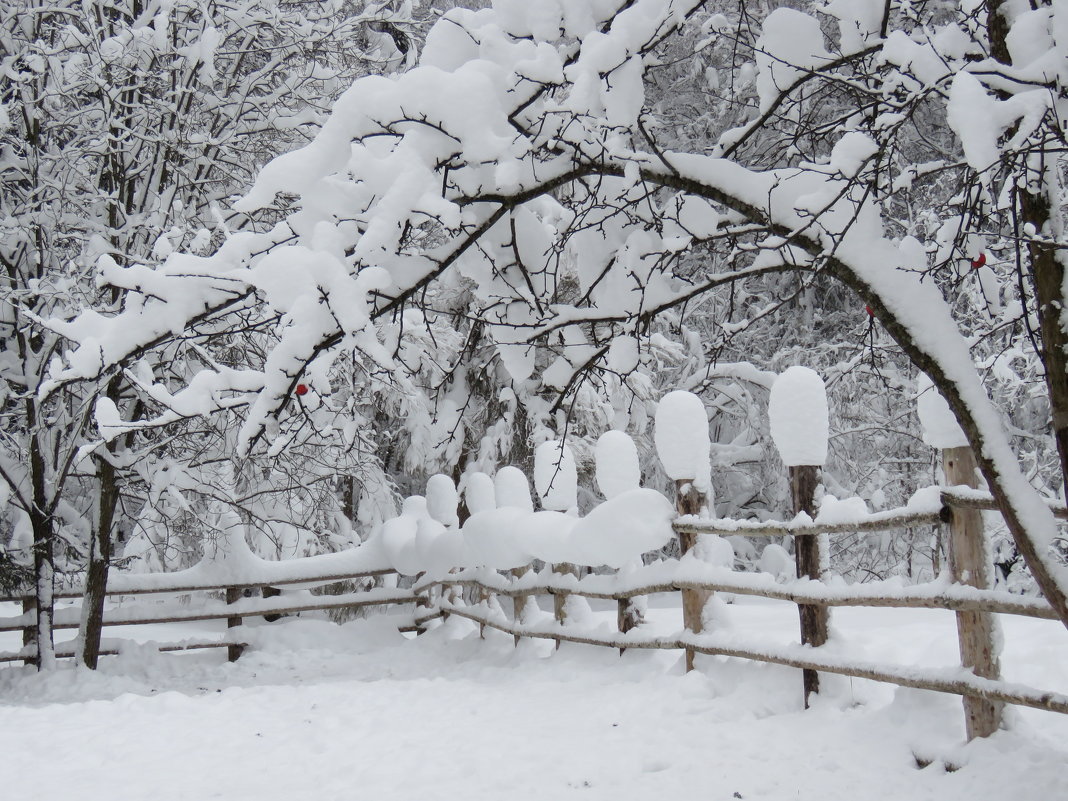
(619,471)
(689,500)
(233,595)
(480,496)
(442,504)
(968,560)
(511,489)
(682,443)
(809,557)
(556,483)
(797,410)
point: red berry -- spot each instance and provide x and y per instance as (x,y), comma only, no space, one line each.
(302,389)
(869,311)
(978,261)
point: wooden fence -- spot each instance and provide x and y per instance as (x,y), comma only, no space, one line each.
(228,601)
(690,575)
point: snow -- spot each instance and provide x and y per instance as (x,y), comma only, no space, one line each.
(790,44)
(617,465)
(775,559)
(512,489)
(447,714)
(682,439)
(940,427)
(848,510)
(556,476)
(491,539)
(479,493)
(623,354)
(442,500)
(797,410)
(620,530)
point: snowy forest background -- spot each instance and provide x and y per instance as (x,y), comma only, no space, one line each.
(522,223)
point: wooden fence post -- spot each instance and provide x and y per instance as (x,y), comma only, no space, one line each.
(690,501)
(968,564)
(628,617)
(233,595)
(519,602)
(560,598)
(807,554)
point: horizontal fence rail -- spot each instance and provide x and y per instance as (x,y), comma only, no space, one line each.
(300,574)
(955,681)
(438,596)
(246,607)
(933,595)
(689,575)
(114,647)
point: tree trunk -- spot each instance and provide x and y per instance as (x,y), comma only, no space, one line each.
(44,569)
(807,553)
(968,561)
(100,549)
(96,575)
(1047,278)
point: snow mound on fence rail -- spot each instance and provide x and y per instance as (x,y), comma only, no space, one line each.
(622,528)
(613,534)
(252,570)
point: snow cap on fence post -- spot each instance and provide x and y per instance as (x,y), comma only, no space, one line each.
(556,476)
(939,425)
(479,493)
(442,500)
(682,442)
(797,409)
(617,464)
(512,489)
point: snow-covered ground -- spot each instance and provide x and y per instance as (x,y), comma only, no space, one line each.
(358,711)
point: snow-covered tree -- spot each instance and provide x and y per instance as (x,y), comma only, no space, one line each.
(124,128)
(521,161)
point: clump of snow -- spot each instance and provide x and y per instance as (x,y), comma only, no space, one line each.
(851,152)
(798,412)
(511,489)
(555,476)
(491,538)
(790,44)
(546,535)
(858,21)
(441,499)
(479,493)
(776,560)
(618,469)
(622,528)
(398,536)
(715,550)
(623,354)
(847,510)
(940,427)
(682,441)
